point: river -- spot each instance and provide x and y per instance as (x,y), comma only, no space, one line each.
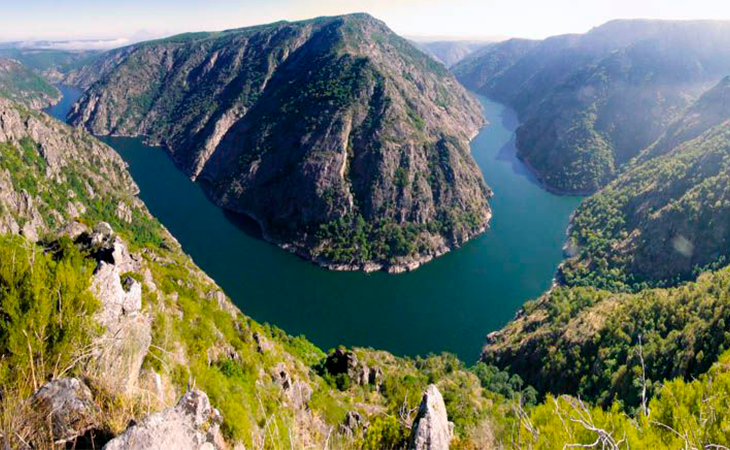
(449,304)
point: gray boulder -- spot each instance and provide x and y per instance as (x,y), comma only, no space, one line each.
(431,428)
(127,336)
(192,424)
(68,405)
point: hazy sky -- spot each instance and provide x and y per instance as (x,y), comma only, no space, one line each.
(136,19)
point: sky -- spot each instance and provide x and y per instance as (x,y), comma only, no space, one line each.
(132,20)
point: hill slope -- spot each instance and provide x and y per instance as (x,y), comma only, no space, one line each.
(666,216)
(589,103)
(341,139)
(20,84)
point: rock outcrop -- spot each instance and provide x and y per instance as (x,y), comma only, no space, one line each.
(344,142)
(431,428)
(346,362)
(354,422)
(68,405)
(121,349)
(192,424)
(297,392)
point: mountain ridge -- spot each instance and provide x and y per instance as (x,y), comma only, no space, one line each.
(376,142)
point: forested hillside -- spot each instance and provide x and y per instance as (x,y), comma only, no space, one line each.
(589,103)
(20,84)
(666,217)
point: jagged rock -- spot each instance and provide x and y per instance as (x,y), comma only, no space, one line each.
(127,337)
(124,212)
(102,234)
(149,280)
(107,247)
(116,300)
(69,404)
(431,428)
(298,392)
(73,230)
(222,351)
(262,344)
(223,303)
(376,377)
(352,423)
(281,376)
(193,424)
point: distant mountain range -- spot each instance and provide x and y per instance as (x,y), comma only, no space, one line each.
(66,45)
(450,52)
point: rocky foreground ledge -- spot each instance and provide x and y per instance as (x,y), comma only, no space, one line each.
(193,424)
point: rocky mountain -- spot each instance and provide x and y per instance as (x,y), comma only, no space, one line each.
(589,103)
(665,218)
(20,84)
(343,141)
(450,52)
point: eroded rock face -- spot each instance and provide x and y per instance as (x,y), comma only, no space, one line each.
(297,392)
(21,84)
(192,424)
(431,428)
(67,403)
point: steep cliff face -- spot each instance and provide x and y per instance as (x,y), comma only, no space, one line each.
(589,103)
(341,139)
(20,84)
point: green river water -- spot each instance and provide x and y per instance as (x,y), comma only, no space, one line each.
(450,304)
